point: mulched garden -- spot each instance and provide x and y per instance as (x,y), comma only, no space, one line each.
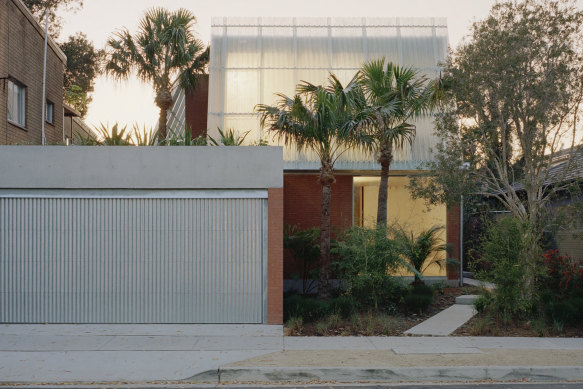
(378,324)
(486,325)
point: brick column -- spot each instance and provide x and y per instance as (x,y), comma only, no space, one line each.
(453,240)
(275,256)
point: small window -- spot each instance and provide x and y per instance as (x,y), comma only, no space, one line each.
(50,113)
(17,103)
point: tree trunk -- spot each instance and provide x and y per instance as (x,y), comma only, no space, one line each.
(530,254)
(385,159)
(162,125)
(164,102)
(326,180)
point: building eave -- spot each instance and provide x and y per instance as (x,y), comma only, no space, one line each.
(26,12)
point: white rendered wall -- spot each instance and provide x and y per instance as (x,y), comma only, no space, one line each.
(254,58)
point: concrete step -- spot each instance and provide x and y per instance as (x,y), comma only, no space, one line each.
(483,284)
(466,299)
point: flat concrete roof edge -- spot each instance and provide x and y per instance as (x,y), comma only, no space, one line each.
(155,167)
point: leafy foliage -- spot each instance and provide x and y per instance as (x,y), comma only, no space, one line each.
(514,90)
(421,251)
(88,140)
(311,309)
(228,138)
(164,52)
(114,136)
(417,302)
(326,120)
(184,138)
(84,63)
(564,273)
(38,8)
(144,136)
(367,260)
(395,96)
(303,245)
(502,263)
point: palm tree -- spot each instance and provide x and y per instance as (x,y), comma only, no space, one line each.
(324,119)
(164,52)
(397,95)
(418,249)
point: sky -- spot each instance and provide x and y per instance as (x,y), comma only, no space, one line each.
(132,101)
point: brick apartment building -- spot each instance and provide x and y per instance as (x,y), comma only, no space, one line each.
(21,76)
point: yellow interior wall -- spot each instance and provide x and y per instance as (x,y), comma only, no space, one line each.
(410,214)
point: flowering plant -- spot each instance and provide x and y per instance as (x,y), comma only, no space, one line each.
(565,274)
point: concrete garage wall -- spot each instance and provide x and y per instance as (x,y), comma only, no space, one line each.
(102,167)
(120,227)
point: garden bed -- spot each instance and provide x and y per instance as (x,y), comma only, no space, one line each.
(486,325)
(375,323)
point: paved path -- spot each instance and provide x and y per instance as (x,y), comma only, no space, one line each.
(69,353)
(143,353)
(445,322)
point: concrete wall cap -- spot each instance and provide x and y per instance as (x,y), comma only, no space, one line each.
(127,167)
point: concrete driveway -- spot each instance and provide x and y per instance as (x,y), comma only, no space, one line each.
(70,353)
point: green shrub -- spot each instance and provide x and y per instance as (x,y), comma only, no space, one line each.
(483,302)
(568,311)
(421,250)
(311,309)
(294,325)
(308,308)
(304,246)
(345,306)
(563,274)
(502,251)
(366,260)
(228,138)
(422,289)
(418,302)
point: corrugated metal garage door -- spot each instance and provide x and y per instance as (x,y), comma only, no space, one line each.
(133,257)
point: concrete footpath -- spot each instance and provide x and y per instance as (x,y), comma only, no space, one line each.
(140,354)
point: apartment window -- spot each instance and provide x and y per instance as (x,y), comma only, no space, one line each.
(50,112)
(17,103)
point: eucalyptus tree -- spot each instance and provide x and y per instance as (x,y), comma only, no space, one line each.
(164,52)
(327,120)
(516,88)
(397,95)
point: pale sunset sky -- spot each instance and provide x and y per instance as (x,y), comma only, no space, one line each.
(133,102)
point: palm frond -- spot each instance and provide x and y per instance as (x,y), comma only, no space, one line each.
(163,51)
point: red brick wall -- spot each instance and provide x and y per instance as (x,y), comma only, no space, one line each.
(302,207)
(303,199)
(21,57)
(453,240)
(275,256)
(197,107)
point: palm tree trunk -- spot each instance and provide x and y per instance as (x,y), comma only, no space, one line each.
(162,124)
(326,180)
(164,102)
(324,273)
(385,159)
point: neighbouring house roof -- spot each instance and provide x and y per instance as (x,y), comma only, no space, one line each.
(565,168)
(253,58)
(70,111)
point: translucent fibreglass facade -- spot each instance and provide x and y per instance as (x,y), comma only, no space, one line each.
(254,58)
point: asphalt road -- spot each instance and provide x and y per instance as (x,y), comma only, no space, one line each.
(517,385)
